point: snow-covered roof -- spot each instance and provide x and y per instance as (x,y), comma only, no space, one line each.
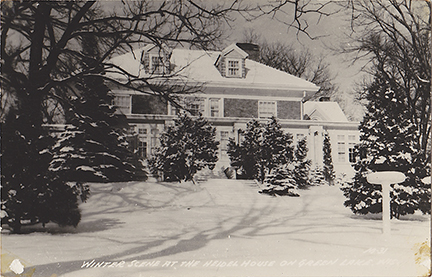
(199,66)
(324,111)
(233,47)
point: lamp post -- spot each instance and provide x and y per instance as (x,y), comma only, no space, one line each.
(385,179)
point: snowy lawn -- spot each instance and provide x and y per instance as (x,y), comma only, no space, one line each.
(218,228)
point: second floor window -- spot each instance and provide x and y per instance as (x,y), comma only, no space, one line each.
(214,107)
(233,68)
(156,65)
(195,105)
(266,109)
(123,103)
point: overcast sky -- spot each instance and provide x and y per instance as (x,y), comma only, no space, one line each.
(330,31)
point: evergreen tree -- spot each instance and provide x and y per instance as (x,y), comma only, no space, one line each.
(262,148)
(30,192)
(93,147)
(389,141)
(247,154)
(280,181)
(276,148)
(185,148)
(328,170)
(302,164)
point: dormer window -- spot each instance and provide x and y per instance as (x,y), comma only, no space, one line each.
(231,62)
(156,60)
(156,65)
(233,68)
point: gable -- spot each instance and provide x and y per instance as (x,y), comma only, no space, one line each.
(234,54)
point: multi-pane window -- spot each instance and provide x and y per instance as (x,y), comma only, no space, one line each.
(233,68)
(266,109)
(142,131)
(142,149)
(195,106)
(142,142)
(123,103)
(156,65)
(341,151)
(341,148)
(154,141)
(214,107)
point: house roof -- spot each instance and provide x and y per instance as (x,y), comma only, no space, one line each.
(234,47)
(324,111)
(199,66)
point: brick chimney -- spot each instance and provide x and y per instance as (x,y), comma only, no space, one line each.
(250,48)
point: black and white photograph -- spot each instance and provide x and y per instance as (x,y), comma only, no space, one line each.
(226,138)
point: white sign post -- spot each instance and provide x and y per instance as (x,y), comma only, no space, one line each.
(385,179)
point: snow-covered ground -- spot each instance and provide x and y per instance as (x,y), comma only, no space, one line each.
(218,228)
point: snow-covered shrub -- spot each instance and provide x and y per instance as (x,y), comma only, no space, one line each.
(280,181)
(317,177)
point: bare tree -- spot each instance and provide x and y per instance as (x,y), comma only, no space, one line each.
(42,59)
(301,63)
(40,43)
(394,37)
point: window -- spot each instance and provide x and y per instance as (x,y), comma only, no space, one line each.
(341,138)
(351,137)
(233,68)
(156,65)
(123,103)
(154,142)
(142,131)
(299,136)
(266,109)
(214,107)
(142,149)
(341,151)
(195,106)
(174,110)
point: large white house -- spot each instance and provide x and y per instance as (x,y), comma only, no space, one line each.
(233,90)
